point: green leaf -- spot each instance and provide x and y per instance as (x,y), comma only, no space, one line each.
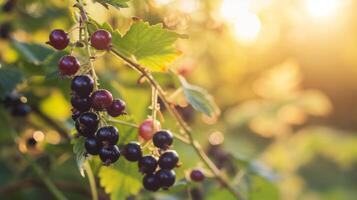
(31,52)
(121,179)
(115,3)
(79,151)
(127,133)
(199,98)
(151,45)
(261,188)
(9,78)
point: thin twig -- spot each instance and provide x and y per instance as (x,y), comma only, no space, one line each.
(91,179)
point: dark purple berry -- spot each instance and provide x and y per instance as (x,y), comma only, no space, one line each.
(9,5)
(101,40)
(20,110)
(58,39)
(197,175)
(87,124)
(147,164)
(109,154)
(92,146)
(5,30)
(101,99)
(81,103)
(75,114)
(163,139)
(12,100)
(31,142)
(68,65)
(108,135)
(166,178)
(168,160)
(82,85)
(132,151)
(116,108)
(150,183)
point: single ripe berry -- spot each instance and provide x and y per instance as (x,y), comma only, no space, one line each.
(109,154)
(147,164)
(58,39)
(163,139)
(197,175)
(101,40)
(108,135)
(147,129)
(92,146)
(132,151)
(82,85)
(168,160)
(150,183)
(87,124)
(166,178)
(31,142)
(20,110)
(116,108)
(68,65)
(75,114)
(81,103)
(12,100)
(101,99)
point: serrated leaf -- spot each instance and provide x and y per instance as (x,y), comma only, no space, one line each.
(121,179)
(151,45)
(31,52)
(9,78)
(199,98)
(79,151)
(115,3)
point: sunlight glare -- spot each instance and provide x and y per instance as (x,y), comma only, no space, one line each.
(247,27)
(162,2)
(321,8)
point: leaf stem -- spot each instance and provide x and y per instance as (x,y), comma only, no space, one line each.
(91,179)
(196,146)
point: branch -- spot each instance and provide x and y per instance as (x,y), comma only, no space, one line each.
(197,147)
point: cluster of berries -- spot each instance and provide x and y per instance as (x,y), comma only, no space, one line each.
(87,103)
(17,105)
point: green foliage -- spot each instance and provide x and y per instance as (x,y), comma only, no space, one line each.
(199,99)
(115,3)
(32,53)
(9,78)
(79,151)
(261,188)
(151,45)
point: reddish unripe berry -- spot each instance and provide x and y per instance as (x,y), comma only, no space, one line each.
(58,39)
(197,175)
(117,108)
(68,65)
(101,99)
(101,39)
(147,129)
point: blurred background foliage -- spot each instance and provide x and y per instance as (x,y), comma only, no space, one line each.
(282,72)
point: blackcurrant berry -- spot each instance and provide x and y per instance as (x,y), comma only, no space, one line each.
(9,5)
(20,110)
(31,142)
(81,104)
(68,65)
(132,151)
(147,129)
(82,85)
(168,160)
(163,139)
(147,164)
(58,39)
(116,108)
(12,100)
(109,154)
(92,146)
(197,175)
(101,40)
(108,135)
(75,114)
(150,183)
(5,30)
(166,178)
(101,99)
(87,124)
